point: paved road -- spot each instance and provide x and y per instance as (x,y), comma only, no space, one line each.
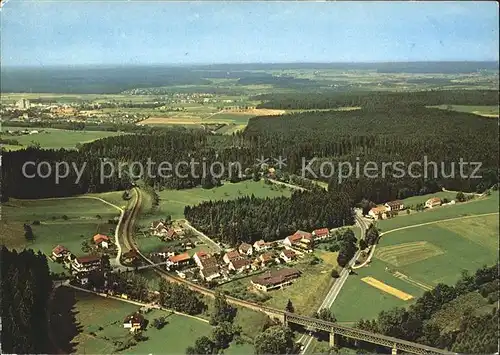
(203,236)
(340,281)
(287,185)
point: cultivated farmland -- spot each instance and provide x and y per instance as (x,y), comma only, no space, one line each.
(415,259)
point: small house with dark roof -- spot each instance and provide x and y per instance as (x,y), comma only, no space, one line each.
(134,321)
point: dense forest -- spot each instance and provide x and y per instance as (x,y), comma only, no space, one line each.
(378,99)
(25,293)
(394,133)
(248,219)
(470,330)
(397,135)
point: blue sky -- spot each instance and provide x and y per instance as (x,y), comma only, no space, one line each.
(41,33)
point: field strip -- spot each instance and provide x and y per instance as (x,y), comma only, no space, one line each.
(411,281)
(372,251)
(386,288)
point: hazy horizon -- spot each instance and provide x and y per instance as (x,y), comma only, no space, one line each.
(42,34)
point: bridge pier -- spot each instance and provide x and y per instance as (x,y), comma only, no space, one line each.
(332,339)
(394,350)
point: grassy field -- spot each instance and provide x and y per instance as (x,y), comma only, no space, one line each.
(415,259)
(485,111)
(414,200)
(82,223)
(172,202)
(101,324)
(488,204)
(52,138)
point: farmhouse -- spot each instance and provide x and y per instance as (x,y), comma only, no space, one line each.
(433,202)
(267,258)
(378,212)
(240,264)
(261,245)
(245,249)
(394,205)
(134,322)
(210,272)
(275,279)
(288,255)
(231,255)
(179,260)
(299,239)
(59,252)
(101,240)
(86,263)
(158,229)
(204,260)
(130,256)
(320,234)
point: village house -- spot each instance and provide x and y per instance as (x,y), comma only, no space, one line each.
(245,249)
(231,255)
(275,279)
(288,255)
(209,273)
(433,202)
(165,252)
(394,206)
(85,264)
(134,322)
(240,264)
(378,212)
(300,239)
(130,257)
(59,252)
(204,260)
(101,240)
(321,234)
(179,260)
(158,229)
(267,258)
(187,244)
(261,245)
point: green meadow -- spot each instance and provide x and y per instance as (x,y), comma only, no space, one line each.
(415,258)
(65,221)
(51,138)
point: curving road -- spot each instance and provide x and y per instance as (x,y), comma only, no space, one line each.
(340,281)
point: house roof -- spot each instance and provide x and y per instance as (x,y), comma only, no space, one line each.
(131,254)
(179,258)
(394,203)
(171,233)
(378,209)
(98,238)
(289,253)
(88,259)
(245,247)
(59,250)
(135,317)
(232,254)
(433,199)
(209,262)
(241,262)
(276,277)
(298,235)
(202,254)
(267,256)
(321,232)
(155,224)
(209,271)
